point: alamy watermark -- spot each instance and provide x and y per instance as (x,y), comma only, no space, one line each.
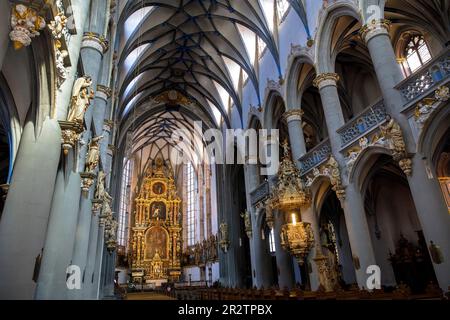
(73,280)
(230,146)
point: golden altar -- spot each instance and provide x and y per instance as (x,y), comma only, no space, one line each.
(156,227)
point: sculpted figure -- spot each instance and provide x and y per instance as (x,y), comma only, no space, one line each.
(100,190)
(93,155)
(393,133)
(82,94)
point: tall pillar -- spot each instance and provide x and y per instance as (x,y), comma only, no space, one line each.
(355,216)
(251,181)
(297,140)
(285,266)
(25,216)
(262,258)
(88,283)
(431,208)
(60,238)
(82,242)
(309,216)
(95,289)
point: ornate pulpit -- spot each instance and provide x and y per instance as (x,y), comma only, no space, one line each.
(156,232)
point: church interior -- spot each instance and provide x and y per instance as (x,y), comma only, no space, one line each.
(224,149)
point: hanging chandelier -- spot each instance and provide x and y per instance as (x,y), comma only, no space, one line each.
(289,196)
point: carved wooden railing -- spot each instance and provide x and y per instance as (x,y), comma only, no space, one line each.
(368,120)
(426,78)
(315,156)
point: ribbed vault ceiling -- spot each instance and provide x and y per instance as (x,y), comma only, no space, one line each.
(196,48)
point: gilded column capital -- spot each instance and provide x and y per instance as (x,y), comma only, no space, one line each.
(293,115)
(374,28)
(108,124)
(326,79)
(103,92)
(95,41)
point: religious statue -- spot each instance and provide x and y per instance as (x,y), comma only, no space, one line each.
(363,142)
(82,94)
(224,241)
(197,254)
(93,155)
(247,223)
(111,226)
(100,189)
(285,146)
(156,213)
(394,135)
(213,248)
(335,174)
(309,181)
(107,211)
(180,218)
(57,25)
(60,56)
(352,157)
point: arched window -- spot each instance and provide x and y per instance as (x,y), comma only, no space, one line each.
(124,204)
(272,241)
(416,53)
(190,204)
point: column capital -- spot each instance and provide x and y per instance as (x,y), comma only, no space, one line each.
(293,115)
(103,92)
(374,28)
(108,124)
(326,79)
(95,41)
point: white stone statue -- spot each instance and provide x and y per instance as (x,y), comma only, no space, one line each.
(309,181)
(363,142)
(57,26)
(93,155)
(100,190)
(61,71)
(351,159)
(82,94)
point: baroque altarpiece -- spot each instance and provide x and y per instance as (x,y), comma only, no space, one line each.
(156,233)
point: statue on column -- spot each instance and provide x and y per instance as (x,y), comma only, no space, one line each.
(100,189)
(82,94)
(93,155)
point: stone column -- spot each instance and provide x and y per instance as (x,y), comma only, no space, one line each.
(431,208)
(355,216)
(262,262)
(297,140)
(251,181)
(95,289)
(285,266)
(92,49)
(60,237)
(94,234)
(25,216)
(82,242)
(309,216)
